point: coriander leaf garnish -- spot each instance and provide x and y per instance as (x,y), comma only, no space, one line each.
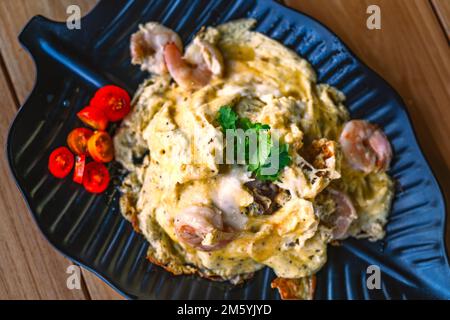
(261,157)
(227,118)
(284,160)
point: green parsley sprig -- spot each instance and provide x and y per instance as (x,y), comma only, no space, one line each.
(256,161)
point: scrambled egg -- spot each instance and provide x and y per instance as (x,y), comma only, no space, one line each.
(171,166)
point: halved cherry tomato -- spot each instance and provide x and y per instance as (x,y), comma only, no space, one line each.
(93,117)
(60,162)
(114,101)
(77,140)
(100,147)
(96,177)
(78,173)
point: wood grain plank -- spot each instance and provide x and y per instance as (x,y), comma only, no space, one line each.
(14,14)
(98,290)
(21,73)
(442,9)
(411,52)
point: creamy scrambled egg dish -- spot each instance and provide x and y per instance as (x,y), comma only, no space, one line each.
(218,220)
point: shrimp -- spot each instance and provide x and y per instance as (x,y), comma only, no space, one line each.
(202,228)
(201,62)
(147,47)
(365,146)
(343,215)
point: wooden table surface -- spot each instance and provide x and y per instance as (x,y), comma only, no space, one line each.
(410,51)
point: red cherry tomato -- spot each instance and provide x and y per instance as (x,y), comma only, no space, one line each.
(77,140)
(93,117)
(100,147)
(80,163)
(114,101)
(60,162)
(96,177)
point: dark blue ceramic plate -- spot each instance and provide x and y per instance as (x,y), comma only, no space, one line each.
(89,229)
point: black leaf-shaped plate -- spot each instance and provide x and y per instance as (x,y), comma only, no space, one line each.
(72,64)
